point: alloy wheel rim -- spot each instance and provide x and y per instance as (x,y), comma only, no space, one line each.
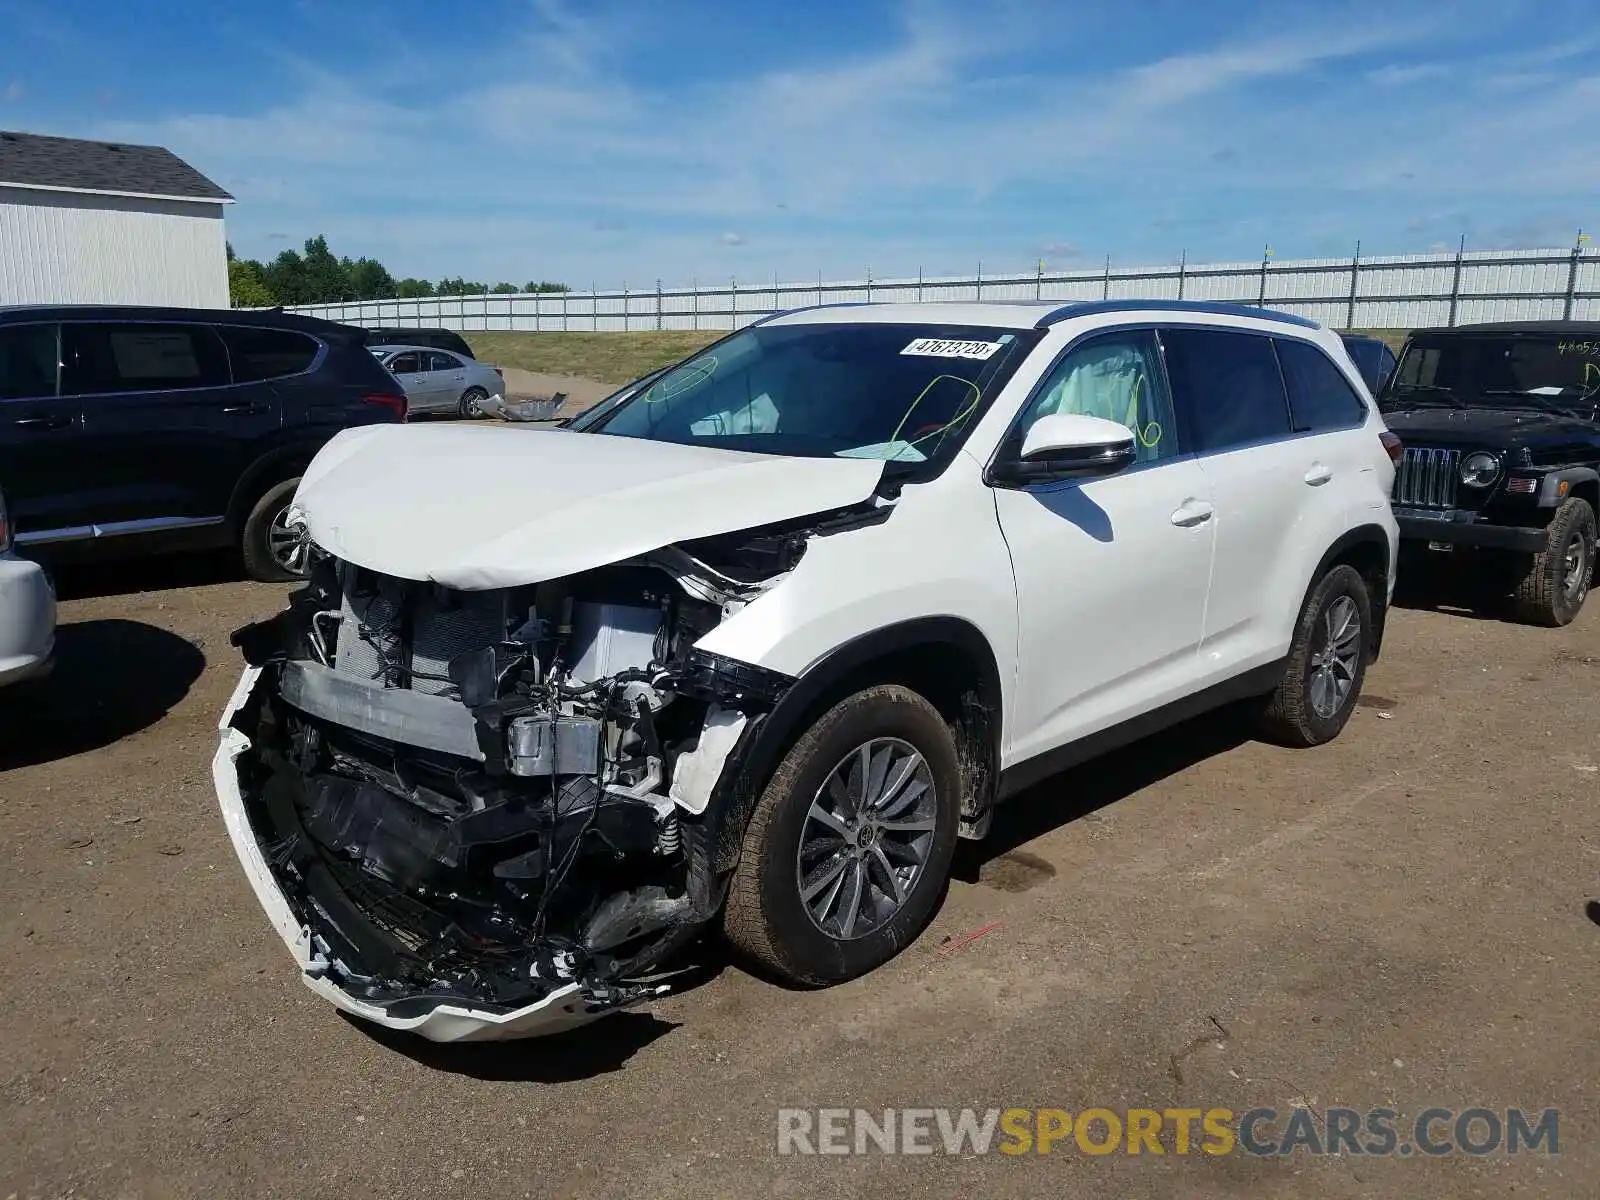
(866,838)
(474,405)
(288,543)
(1333,665)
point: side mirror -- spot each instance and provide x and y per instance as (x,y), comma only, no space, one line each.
(1069,446)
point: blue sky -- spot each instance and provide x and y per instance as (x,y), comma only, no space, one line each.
(617,142)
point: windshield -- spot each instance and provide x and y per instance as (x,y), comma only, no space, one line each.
(900,393)
(1548,369)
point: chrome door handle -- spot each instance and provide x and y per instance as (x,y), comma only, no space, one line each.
(244,409)
(1191,513)
(1318,475)
(56,422)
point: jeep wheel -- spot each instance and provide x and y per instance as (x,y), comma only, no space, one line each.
(274,551)
(1326,664)
(849,848)
(1556,583)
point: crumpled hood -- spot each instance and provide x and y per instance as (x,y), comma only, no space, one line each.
(477,508)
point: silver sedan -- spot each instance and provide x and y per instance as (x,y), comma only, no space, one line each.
(438,381)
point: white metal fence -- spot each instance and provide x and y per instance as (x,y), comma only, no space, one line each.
(1394,292)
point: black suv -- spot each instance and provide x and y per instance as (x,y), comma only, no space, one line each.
(435,339)
(1502,454)
(147,429)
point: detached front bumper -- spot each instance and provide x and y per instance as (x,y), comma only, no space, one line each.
(564,1008)
(1462,529)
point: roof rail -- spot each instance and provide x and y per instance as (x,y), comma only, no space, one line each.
(1217,308)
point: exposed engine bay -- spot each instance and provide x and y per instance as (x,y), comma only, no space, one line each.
(482,797)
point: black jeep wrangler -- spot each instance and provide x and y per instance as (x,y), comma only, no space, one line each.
(1502,455)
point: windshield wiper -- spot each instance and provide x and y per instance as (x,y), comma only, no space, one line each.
(1405,391)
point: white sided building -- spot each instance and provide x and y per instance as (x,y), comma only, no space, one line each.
(105,223)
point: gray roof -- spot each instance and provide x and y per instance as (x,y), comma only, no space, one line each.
(29,160)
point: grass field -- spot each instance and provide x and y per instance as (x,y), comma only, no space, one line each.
(615,358)
(619,358)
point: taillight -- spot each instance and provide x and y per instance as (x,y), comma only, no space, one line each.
(1393,445)
(395,402)
(5,525)
(501,374)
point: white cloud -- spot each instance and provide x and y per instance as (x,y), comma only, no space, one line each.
(547,158)
(14,91)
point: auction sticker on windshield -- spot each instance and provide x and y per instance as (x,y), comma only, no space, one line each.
(946,348)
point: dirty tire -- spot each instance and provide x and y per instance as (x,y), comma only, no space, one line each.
(765,919)
(472,403)
(255,542)
(1543,595)
(1289,717)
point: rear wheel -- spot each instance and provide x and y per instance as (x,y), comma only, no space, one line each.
(1326,664)
(472,403)
(1556,582)
(275,551)
(849,848)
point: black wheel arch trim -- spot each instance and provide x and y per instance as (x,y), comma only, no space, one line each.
(769,735)
(267,471)
(1362,535)
(1550,495)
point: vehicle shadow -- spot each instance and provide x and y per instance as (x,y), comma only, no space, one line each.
(1454,589)
(155,573)
(597,1049)
(1086,789)
(111,678)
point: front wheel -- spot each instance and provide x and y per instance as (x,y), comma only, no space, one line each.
(1326,664)
(472,403)
(849,848)
(1556,581)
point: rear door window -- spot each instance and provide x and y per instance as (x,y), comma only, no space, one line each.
(27,362)
(1228,384)
(438,361)
(1320,397)
(258,354)
(109,358)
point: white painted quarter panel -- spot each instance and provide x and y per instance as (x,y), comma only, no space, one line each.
(1111,600)
(939,554)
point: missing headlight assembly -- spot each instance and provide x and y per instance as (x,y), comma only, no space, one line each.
(477,802)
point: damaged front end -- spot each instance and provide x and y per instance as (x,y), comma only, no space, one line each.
(483,814)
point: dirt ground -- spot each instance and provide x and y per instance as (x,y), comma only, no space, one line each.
(1397,920)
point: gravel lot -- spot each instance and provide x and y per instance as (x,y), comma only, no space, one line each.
(1397,919)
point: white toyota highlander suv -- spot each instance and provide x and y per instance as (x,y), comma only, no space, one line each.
(763,635)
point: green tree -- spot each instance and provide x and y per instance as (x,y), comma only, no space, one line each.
(370,279)
(246,286)
(503,289)
(285,277)
(409,288)
(545,286)
(327,277)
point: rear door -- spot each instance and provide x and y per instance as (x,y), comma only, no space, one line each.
(168,428)
(47,478)
(1275,491)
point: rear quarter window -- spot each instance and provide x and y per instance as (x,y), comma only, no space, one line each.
(258,354)
(1320,396)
